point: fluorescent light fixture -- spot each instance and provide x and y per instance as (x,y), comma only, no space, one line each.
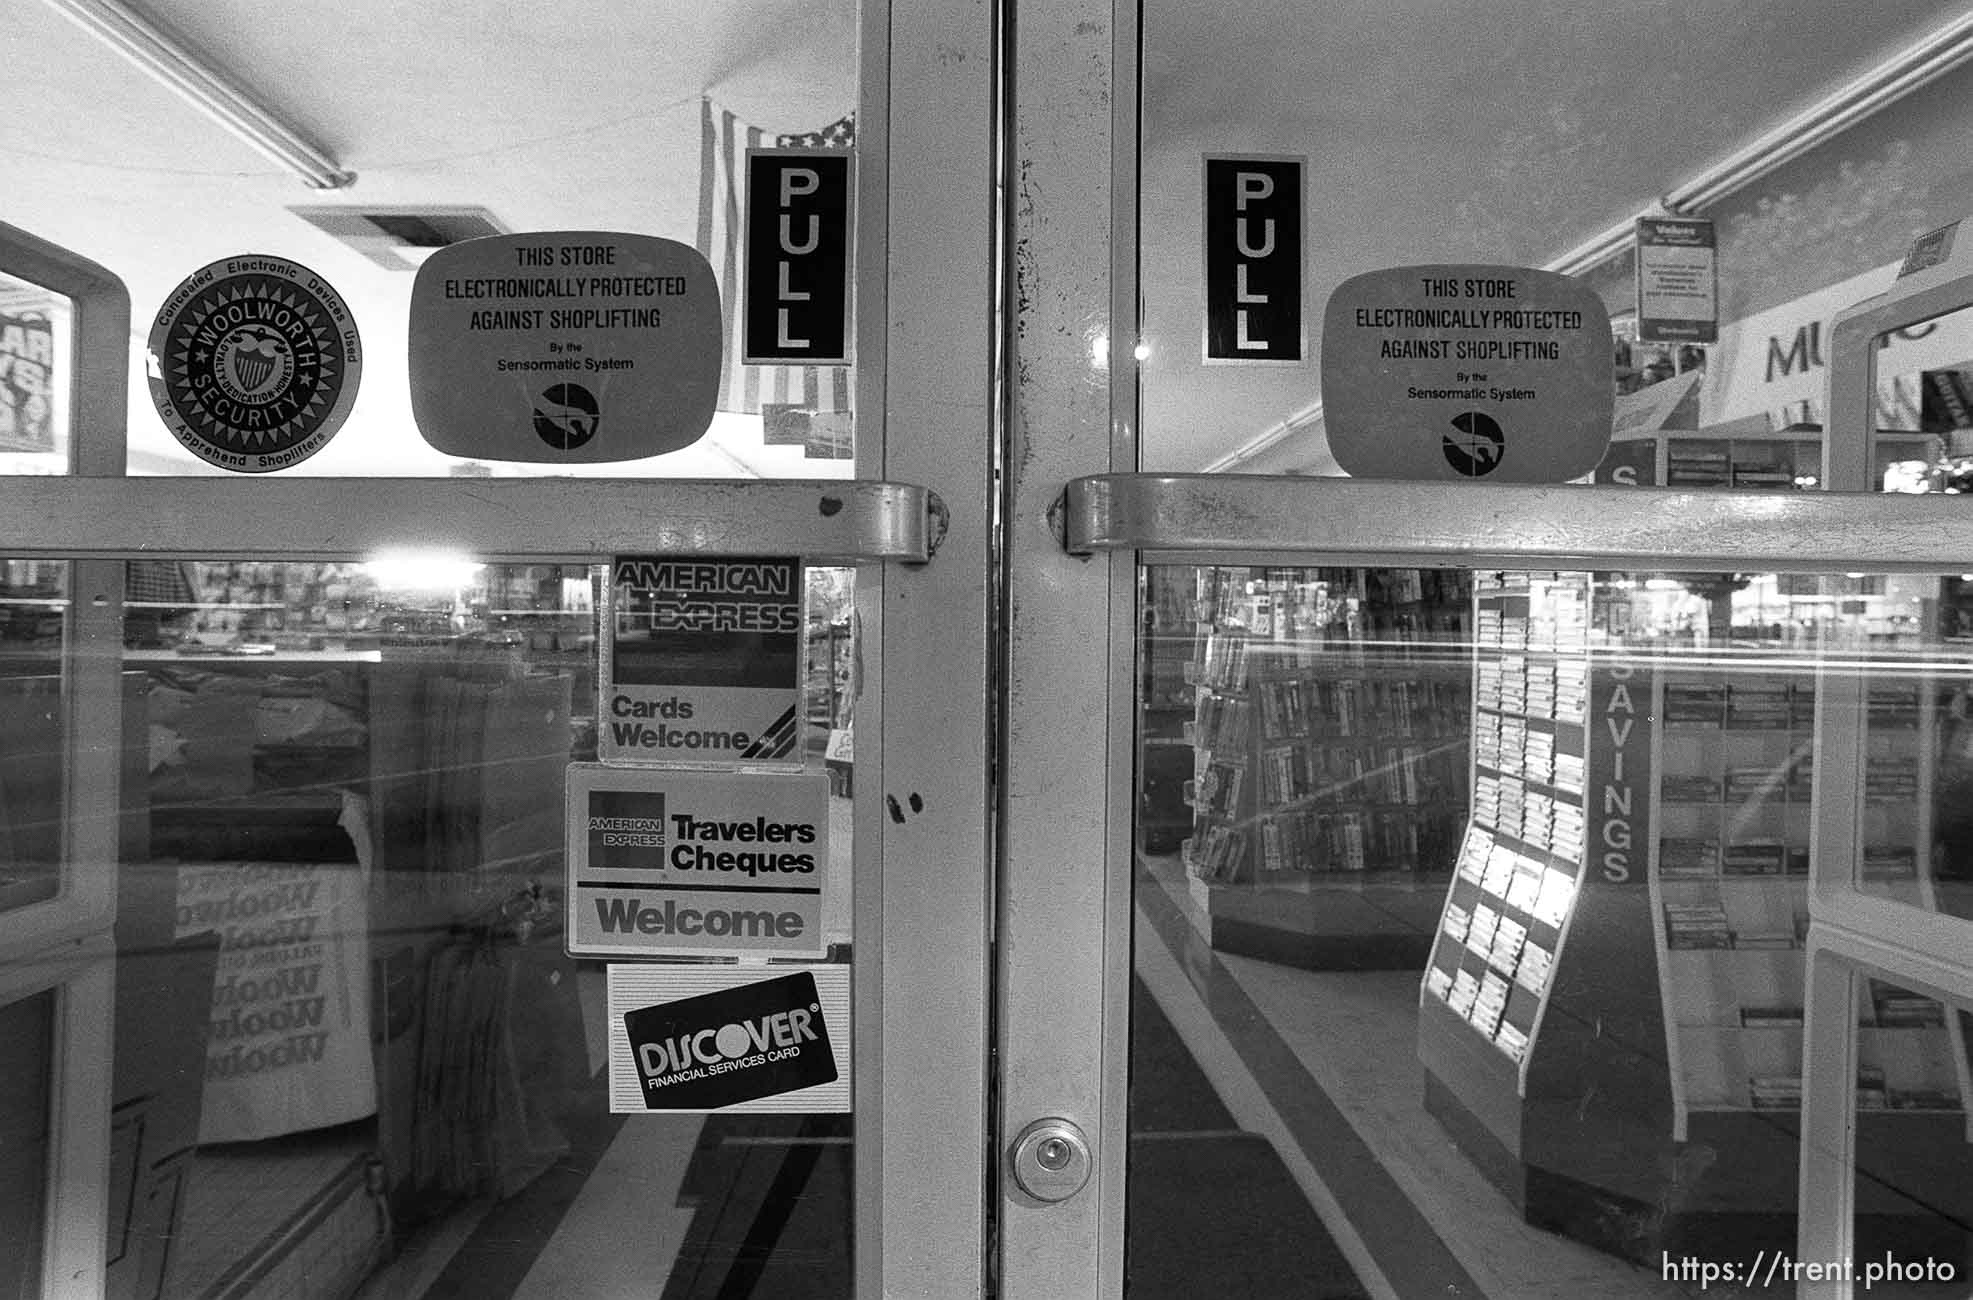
(183,69)
(422,571)
(400,238)
(1910,69)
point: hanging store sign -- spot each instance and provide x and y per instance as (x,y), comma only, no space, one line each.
(695,1039)
(1253,260)
(664,862)
(1678,283)
(703,660)
(254,363)
(574,347)
(1454,373)
(798,246)
(1934,248)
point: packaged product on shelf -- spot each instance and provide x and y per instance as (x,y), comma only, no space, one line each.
(1687,856)
(1532,973)
(1694,703)
(1558,892)
(1754,857)
(1889,862)
(1701,788)
(1697,925)
(1507,941)
(1758,706)
(1465,988)
(1524,890)
(1774,1091)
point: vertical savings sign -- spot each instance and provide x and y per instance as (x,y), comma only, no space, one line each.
(1620,726)
(797,248)
(1253,256)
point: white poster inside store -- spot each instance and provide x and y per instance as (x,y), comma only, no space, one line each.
(288,1042)
(1775,363)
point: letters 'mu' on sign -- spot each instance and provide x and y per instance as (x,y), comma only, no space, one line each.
(797,249)
(1253,248)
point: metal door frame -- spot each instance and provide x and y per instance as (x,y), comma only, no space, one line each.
(917,523)
(1079,520)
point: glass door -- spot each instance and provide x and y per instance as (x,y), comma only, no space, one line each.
(289,909)
(1466,889)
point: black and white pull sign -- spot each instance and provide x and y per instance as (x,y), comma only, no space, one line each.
(1253,248)
(797,273)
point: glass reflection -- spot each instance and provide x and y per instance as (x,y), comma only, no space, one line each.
(1537,846)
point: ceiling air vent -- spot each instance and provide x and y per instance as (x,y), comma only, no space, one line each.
(401,238)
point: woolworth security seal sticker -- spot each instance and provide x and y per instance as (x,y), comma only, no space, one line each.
(254,363)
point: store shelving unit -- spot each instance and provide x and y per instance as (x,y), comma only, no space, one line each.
(1328,737)
(1611,1023)
(1521,860)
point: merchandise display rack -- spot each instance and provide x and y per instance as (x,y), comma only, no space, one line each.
(1611,1020)
(1327,727)
(1520,863)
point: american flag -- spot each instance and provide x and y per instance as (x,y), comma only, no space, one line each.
(723,143)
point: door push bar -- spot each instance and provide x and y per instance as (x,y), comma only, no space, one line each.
(512,520)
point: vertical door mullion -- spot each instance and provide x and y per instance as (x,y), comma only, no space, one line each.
(1827,1177)
(1063,926)
(925,289)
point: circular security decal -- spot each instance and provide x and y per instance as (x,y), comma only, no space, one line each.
(254,363)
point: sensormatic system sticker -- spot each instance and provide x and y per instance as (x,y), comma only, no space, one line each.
(705,1038)
(254,363)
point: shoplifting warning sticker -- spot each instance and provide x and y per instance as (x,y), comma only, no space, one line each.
(565,347)
(696,1038)
(702,662)
(1462,373)
(254,363)
(664,862)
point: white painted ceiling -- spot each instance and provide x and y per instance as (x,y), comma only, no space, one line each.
(1435,130)
(578,116)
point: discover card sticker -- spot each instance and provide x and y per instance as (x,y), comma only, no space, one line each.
(670,863)
(703,660)
(700,1038)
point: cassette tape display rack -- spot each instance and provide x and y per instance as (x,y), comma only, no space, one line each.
(1520,862)
(1329,745)
(1610,1023)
